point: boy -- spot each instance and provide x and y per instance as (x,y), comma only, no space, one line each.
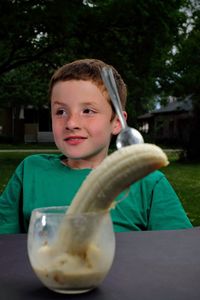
(83,122)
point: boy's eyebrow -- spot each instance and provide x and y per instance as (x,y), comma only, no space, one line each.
(64,104)
(58,103)
(89,103)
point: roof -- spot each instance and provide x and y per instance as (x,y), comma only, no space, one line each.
(146,116)
(175,106)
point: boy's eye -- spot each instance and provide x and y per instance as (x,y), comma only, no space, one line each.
(61,112)
(88,111)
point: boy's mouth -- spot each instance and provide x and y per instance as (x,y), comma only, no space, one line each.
(74,139)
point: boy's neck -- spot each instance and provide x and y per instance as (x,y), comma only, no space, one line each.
(80,164)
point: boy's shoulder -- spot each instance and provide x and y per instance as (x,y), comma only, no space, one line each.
(156,175)
(148,183)
(41,159)
(152,178)
(42,156)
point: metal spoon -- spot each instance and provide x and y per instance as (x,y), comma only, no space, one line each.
(128,135)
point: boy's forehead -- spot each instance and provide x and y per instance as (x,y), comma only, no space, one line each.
(83,85)
(85,90)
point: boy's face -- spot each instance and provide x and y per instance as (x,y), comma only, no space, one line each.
(82,122)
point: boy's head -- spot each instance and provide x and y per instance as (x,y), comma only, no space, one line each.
(89,70)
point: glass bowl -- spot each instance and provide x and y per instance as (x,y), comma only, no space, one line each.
(70,253)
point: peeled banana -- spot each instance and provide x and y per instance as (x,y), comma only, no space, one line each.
(97,193)
(118,170)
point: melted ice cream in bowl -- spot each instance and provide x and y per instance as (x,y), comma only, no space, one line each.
(70,253)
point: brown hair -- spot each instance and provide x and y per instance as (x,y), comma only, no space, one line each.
(88,69)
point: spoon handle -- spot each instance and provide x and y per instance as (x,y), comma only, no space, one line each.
(109,81)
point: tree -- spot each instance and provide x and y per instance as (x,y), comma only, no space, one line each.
(30,33)
(183,79)
(31,29)
(134,35)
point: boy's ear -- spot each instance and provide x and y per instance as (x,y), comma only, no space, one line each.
(117,127)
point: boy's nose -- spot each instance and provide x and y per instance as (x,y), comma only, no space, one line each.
(73,122)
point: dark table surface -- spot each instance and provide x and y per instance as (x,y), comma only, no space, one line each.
(156,265)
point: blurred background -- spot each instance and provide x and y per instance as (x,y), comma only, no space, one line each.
(154,44)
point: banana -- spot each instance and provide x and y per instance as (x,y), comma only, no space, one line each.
(97,193)
(118,170)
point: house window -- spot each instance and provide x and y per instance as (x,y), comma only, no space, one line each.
(144,128)
(30,116)
(44,117)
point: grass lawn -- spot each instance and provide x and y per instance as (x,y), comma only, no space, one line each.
(184,177)
(8,163)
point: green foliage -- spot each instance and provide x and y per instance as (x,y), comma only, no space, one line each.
(31,29)
(182,78)
(134,36)
(184,71)
(27,84)
(184,177)
(8,164)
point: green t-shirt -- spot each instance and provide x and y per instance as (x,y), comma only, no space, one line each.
(43,180)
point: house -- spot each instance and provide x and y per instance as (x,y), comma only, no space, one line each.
(25,124)
(170,123)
